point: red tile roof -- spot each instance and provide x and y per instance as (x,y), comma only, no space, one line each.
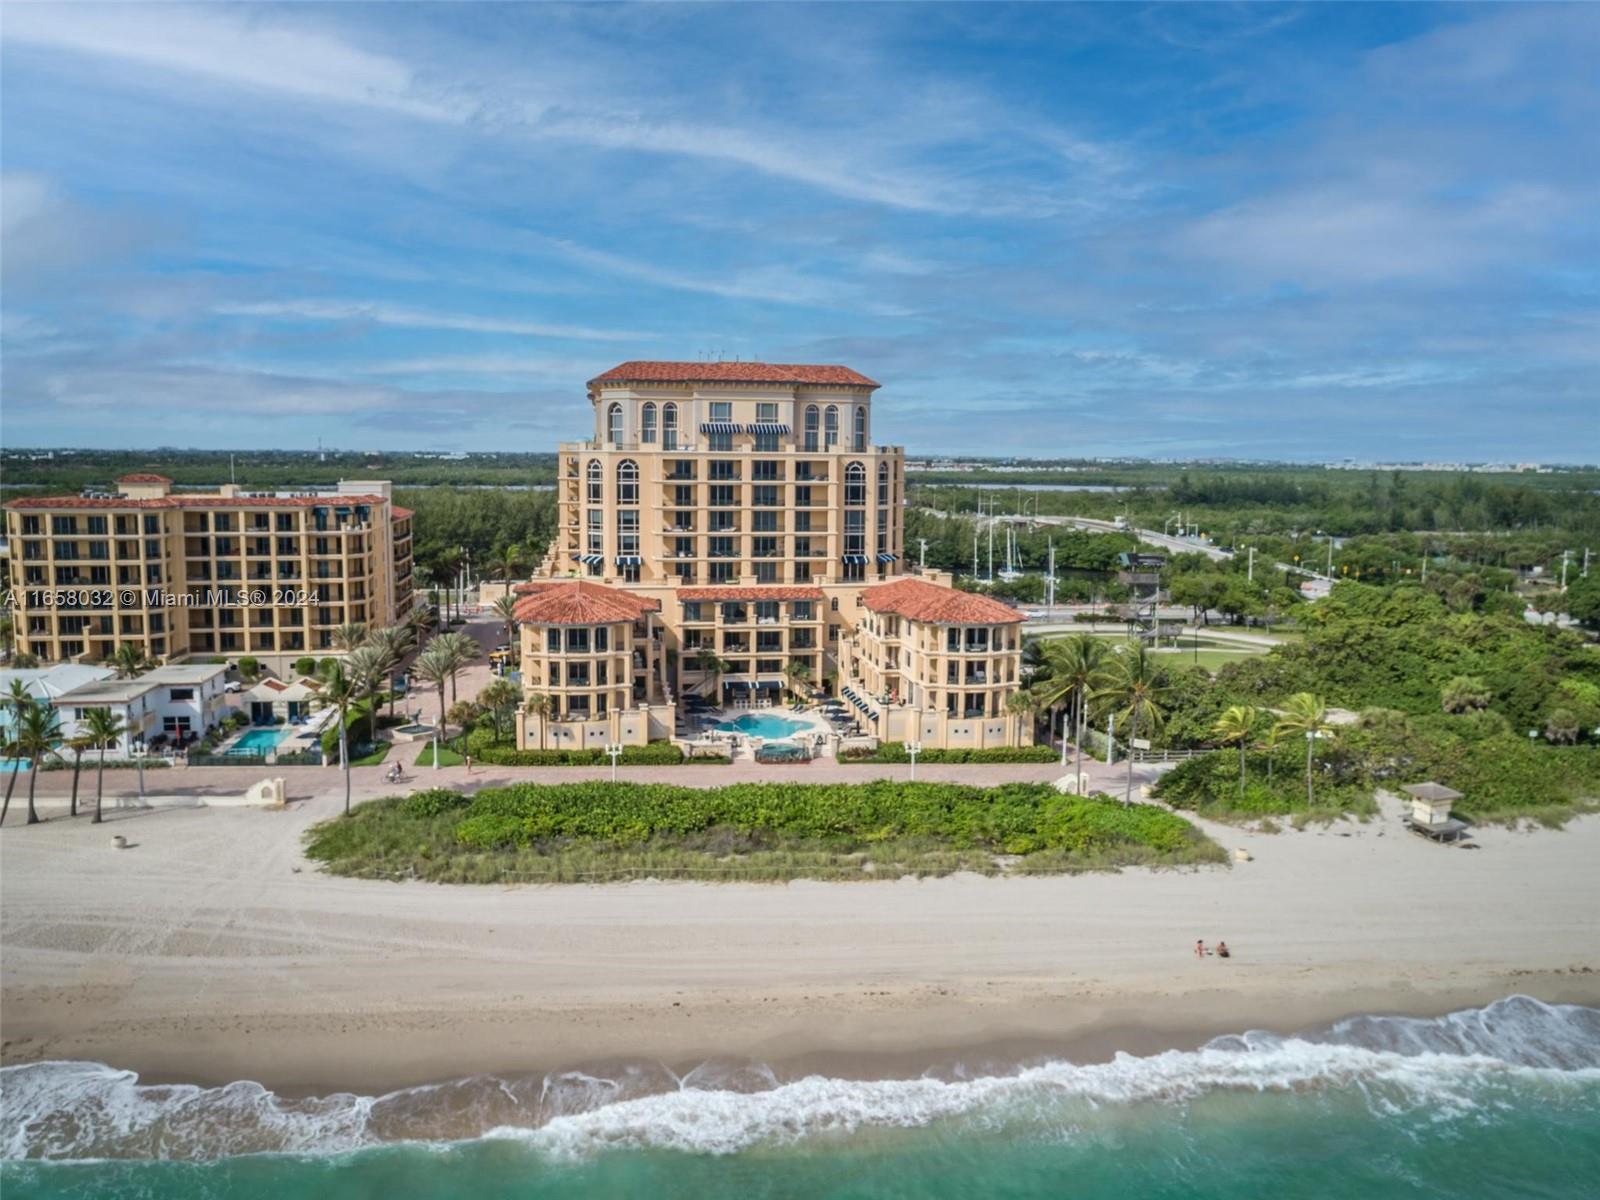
(400,514)
(142,478)
(923,601)
(750,593)
(732,372)
(579,602)
(194,500)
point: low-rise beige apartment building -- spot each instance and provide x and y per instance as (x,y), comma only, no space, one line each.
(206,574)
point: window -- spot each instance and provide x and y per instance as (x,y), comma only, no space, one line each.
(578,674)
(813,416)
(767,412)
(614,423)
(596,482)
(722,572)
(855,485)
(647,432)
(724,495)
(177,695)
(577,641)
(691,610)
(802,499)
(602,637)
(723,547)
(883,483)
(552,641)
(803,610)
(764,522)
(724,468)
(669,426)
(722,410)
(860,436)
(830,427)
(766,469)
(719,441)
(766,495)
(766,442)
(627,482)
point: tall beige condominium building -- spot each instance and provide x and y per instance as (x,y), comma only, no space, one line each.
(231,572)
(748,503)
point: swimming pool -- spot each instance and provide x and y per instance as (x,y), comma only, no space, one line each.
(258,741)
(764,725)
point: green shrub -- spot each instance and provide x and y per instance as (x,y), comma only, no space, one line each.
(481,744)
(895,752)
(433,802)
(305,665)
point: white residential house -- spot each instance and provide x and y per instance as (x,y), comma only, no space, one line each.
(191,697)
(136,702)
(44,684)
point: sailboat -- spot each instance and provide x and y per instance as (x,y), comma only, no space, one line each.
(1009,572)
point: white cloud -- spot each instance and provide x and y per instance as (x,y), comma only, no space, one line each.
(246,49)
(399,316)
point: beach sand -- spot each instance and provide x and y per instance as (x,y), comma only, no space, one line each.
(211,951)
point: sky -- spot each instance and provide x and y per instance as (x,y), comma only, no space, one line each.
(1301,232)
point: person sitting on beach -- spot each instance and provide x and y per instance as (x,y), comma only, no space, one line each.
(1222,949)
(1200,950)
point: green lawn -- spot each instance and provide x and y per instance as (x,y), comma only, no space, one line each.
(380,753)
(447,757)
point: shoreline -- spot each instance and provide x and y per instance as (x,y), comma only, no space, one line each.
(900,1034)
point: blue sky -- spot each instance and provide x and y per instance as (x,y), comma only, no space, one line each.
(1298,232)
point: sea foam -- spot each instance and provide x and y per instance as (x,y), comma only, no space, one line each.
(1449,1066)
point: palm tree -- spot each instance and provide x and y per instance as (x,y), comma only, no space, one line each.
(541,707)
(349,636)
(1022,703)
(460,650)
(128,660)
(434,666)
(506,563)
(498,699)
(506,609)
(1131,686)
(796,673)
(464,714)
(78,743)
(710,666)
(1235,725)
(1305,715)
(341,689)
(1073,665)
(391,643)
(422,621)
(36,738)
(18,701)
(104,728)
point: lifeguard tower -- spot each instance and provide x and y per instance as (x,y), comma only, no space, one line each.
(1430,812)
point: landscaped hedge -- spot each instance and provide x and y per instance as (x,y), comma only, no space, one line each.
(895,752)
(654,754)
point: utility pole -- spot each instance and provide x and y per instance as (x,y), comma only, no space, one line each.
(1330,556)
(922,553)
(975,536)
(991,541)
(1250,568)
(1050,578)
(1566,556)
(1586,562)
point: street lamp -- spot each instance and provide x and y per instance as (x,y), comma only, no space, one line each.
(615,751)
(913,749)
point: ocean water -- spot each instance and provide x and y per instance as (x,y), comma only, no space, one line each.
(1491,1102)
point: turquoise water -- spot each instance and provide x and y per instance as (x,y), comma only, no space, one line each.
(764,725)
(258,741)
(1495,1102)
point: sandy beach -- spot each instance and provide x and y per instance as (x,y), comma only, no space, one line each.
(212,951)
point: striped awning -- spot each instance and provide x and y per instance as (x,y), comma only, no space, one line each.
(628,560)
(855,560)
(720,427)
(590,560)
(768,427)
(888,558)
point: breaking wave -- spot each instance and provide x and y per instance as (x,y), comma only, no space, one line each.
(1449,1067)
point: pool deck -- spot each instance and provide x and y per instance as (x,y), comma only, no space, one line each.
(714,721)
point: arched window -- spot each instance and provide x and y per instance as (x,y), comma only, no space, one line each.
(855,485)
(830,425)
(647,433)
(669,426)
(813,425)
(627,482)
(614,423)
(596,482)
(860,428)
(883,483)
